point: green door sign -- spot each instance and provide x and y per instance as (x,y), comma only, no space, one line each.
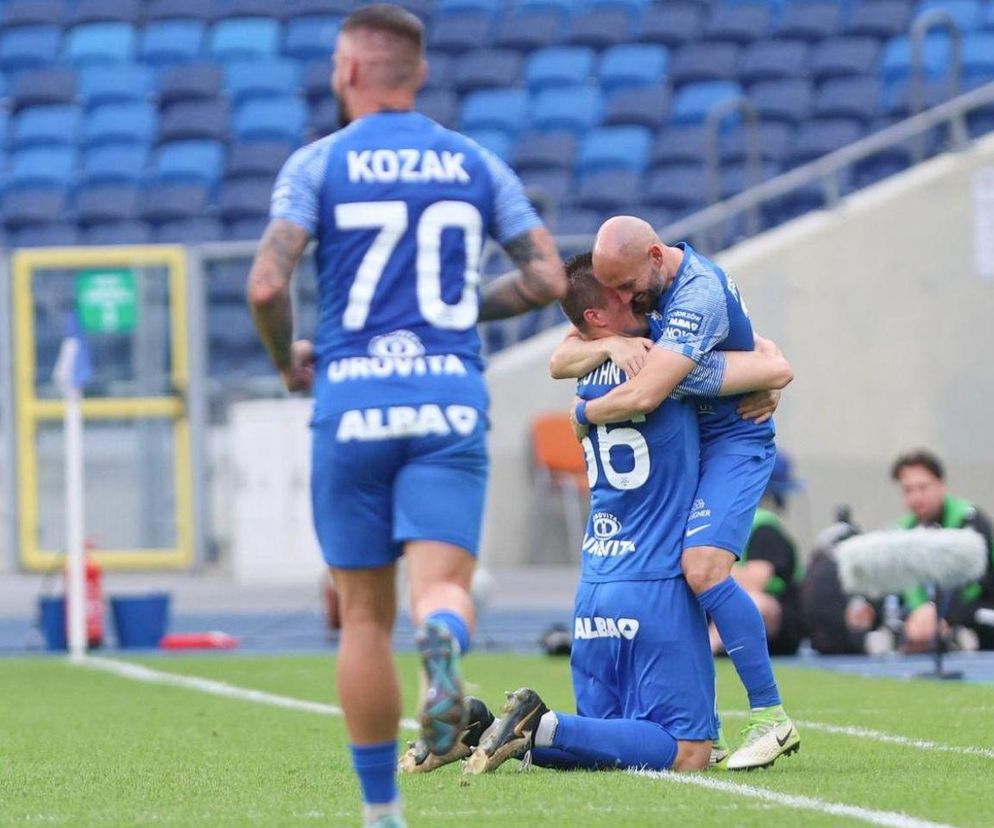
(106,300)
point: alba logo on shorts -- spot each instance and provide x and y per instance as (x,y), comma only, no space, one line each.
(602,543)
(597,627)
(397,344)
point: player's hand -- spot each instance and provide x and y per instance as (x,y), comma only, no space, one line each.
(300,375)
(759,406)
(628,352)
(579,431)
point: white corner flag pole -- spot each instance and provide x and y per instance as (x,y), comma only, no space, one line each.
(65,369)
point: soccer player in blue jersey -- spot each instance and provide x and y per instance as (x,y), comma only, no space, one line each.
(700,310)
(400,208)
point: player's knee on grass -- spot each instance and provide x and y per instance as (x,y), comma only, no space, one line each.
(705,567)
(691,756)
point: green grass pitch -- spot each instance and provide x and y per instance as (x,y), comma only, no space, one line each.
(84,748)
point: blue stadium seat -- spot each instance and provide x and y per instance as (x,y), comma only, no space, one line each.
(545,150)
(680,188)
(633,65)
(190,82)
(244,38)
(559,66)
(574,109)
(440,105)
(967,14)
(896,62)
(810,20)
(881,19)
(454,33)
(681,143)
(56,234)
(115,162)
(32,13)
(577,222)
(165,42)
(842,56)
(270,119)
(248,8)
(552,184)
(735,178)
(100,43)
(323,120)
(499,143)
(106,11)
(856,97)
(42,165)
(439,71)
(117,232)
(25,206)
(487,69)
(817,138)
(28,46)
(700,61)
(313,8)
(738,23)
(776,142)
(171,200)
(315,80)
(882,165)
(46,125)
(190,160)
(257,158)
(247,79)
(897,95)
(204,119)
(190,231)
(563,6)
(608,190)
(310,38)
(502,109)
(37,87)
(134,123)
(115,83)
(200,10)
(106,202)
(245,198)
(989,18)
(634,8)
(693,102)
(530,29)
(783,100)
(647,106)
(246,229)
(599,28)
(978,59)
(621,147)
(672,25)
(491,7)
(771,59)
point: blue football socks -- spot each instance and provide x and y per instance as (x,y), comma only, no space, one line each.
(621,743)
(456,625)
(376,767)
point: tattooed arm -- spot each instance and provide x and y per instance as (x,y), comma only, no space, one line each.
(268,293)
(539,279)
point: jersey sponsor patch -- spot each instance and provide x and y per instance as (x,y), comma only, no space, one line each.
(680,322)
(396,344)
(601,541)
(410,166)
(403,421)
(598,627)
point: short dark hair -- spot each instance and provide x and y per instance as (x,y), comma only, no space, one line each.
(583,291)
(385,17)
(919,457)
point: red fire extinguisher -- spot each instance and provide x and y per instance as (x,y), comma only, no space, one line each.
(93,597)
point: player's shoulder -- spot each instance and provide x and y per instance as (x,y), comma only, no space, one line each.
(312,155)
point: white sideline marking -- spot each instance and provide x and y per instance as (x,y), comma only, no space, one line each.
(894,819)
(880,736)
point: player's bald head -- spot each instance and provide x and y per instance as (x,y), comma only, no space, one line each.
(386,43)
(622,243)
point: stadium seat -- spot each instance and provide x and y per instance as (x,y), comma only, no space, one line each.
(682,143)
(574,109)
(97,203)
(310,38)
(248,8)
(881,19)
(967,14)
(25,206)
(439,71)
(740,23)
(106,11)
(503,109)
(45,125)
(771,59)
(551,184)
(881,165)
(14,13)
(245,229)
(247,79)
(487,69)
(680,188)
(461,32)
(776,141)
(244,38)
(315,81)
(735,178)
(896,62)
(314,8)
(609,189)
(134,123)
(421,8)
(817,138)
(693,103)
(28,46)
(440,105)
(258,158)
(633,65)
(647,106)
(530,29)
(115,83)
(842,56)
(782,100)
(576,222)
(166,42)
(270,119)
(978,59)
(199,10)
(100,43)
(671,25)
(190,160)
(114,162)
(172,200)
(545,150)
(811,21)
(701,61)
(559,66)
(856,97)
(245,198)
(563,6)
(195,119)
(615,148)
(491,7)
(39,87)
(324,119)
(499,143)
(897,95)
(118,232)
(57,234)
(190,82)
(599,28)
(189,231)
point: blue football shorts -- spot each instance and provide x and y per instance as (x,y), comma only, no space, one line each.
(369,497)
(641,651)
(728,493)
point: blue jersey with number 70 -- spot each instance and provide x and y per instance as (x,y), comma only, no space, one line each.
(400,208)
